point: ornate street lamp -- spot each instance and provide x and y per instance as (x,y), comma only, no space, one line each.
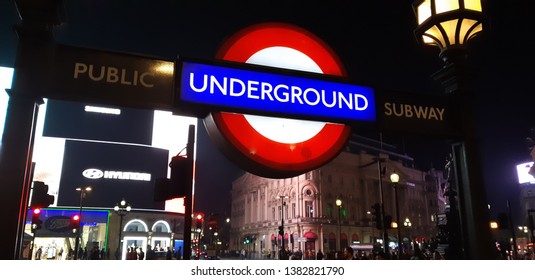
(394,178)
(122,208)
(451,25)
(83,192)
(339,205)
(448,24)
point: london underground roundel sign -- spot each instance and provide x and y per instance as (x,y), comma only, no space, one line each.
(277,147)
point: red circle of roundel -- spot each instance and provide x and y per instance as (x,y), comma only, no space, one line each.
(248,148)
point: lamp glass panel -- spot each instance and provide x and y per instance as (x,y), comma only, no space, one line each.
(450,27)
(424,11)
(443,6)
(473,5)
(465,28)
(431,33)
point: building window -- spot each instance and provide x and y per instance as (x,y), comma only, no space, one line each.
(329,178)
(309,209)
(273,217)
(329,210)
(293,210)
(307,175)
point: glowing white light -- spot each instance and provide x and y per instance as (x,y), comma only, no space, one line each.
(102,110)
(279,129)
(6,78)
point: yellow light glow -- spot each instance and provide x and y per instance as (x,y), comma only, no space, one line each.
(493,224)
(465,27)
(450,27)
(167,68)
(434,37)
(424,11)
(473,5)
(443,6)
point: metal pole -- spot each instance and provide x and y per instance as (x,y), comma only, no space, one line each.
(398,221)
(511,225)
(77,243)
(339,230)
(188,199)
(381,197)
(121,236)
(283,252)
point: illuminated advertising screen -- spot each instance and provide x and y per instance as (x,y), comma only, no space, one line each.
(75,120)
(522,170)
(113,171)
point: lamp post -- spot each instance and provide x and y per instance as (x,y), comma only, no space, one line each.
(82,191)
(394,178)
(122,208)
(450,25)
(282,254)
(407,223)
(339,205)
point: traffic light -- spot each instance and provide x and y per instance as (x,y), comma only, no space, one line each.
(198,220)
(161,189)
(281,230)
(40,196)
(181,176)
(75,222)
(36,222)
(376,216)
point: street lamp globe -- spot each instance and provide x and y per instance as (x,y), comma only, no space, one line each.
(338,202)
(447,24)
(407,222)
(394,177)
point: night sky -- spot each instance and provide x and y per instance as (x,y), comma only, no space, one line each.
(375,41)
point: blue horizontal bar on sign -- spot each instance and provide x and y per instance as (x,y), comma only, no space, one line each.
(254,90)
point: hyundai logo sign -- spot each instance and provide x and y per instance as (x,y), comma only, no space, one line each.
(93,173)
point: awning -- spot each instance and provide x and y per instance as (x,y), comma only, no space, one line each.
(310,235)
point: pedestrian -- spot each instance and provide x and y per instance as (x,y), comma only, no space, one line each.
(150,253)
(169,254)
(60,254)
(319,255)
(348,253)
(179,253)
(140,254)
(418,255)
(39,253)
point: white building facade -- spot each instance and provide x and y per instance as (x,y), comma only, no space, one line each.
(312,220)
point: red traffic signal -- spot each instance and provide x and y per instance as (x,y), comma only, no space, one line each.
(198,220)
(36,222)
(75,222)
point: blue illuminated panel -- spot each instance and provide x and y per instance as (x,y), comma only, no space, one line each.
(276,93)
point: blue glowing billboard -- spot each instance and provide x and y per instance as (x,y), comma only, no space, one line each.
(244,89)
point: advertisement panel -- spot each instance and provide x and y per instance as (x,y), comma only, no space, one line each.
(522,170)
(113,171)
(75,120)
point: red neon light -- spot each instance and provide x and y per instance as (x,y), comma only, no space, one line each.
(258,154)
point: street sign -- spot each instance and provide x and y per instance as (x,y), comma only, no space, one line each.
(104,77)
(404,112)
(240,88)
